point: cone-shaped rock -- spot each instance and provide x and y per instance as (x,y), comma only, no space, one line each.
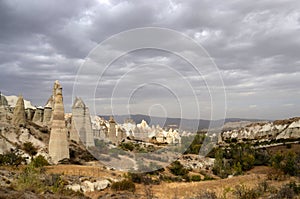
(38,115)
(58,143)
(81,124)
(48,112)
(19,117)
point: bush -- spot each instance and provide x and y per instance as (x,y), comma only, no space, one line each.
(124,185)
(127,146)
(39,161)
(242,192)
(196,144)
(287,163)
(29,148)
(177,169)
(290,190)
(11,159)
(30,179)
(196,178)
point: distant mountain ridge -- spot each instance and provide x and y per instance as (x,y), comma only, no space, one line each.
(185,124)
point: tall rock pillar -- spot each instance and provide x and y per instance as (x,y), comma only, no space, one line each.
(19,116)
(81,124)
(112,130)
(58,143)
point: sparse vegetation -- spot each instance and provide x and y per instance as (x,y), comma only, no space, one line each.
(29,148)
(177,169)
(288,163)
(39,161)
(124,185)
(11,159)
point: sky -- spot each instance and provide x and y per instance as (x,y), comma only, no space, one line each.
(249,66)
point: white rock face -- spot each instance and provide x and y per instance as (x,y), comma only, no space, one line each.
(12,100)
(101,184)
(282,129)
(81,123)
(74,187)
(88,186)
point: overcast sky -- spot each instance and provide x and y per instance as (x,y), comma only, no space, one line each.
(254,44)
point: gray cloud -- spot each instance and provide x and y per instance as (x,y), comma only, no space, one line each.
(255,45)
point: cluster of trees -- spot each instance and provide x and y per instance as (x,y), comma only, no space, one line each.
(242,157)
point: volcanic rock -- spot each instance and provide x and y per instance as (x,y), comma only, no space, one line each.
(19,116)
(58,143)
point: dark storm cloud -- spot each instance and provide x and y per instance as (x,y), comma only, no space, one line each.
(254,44)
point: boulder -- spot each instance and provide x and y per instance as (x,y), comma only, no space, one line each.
(101,184)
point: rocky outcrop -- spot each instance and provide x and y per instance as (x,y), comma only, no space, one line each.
(112,130)
(48,112)
(266,131)
(12,101)
(58,143)
(3,100)
(38,115)
(81,124)
(19,116)
(88,186)
(29,113)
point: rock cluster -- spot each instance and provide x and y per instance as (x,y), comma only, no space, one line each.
(88,186)
(267,131)
(116,133)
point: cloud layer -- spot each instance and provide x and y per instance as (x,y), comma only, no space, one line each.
(254,44)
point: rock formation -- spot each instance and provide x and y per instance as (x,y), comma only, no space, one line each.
(58,143)
(38,115)
(81,124)
(48,112)
(29,113)
(267,131)
(3,100)
(121,135)
(112,130)
(19,116)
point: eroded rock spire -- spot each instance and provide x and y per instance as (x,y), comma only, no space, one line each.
(58,143)
(19,116)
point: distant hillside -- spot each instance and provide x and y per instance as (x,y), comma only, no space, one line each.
(185,124)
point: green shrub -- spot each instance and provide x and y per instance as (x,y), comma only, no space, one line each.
(290,190)
(177,169)
(30,179)
(288,163)
(127,146)
(196,178)
(39,161)
(11,159)
(124,185)
(29,148)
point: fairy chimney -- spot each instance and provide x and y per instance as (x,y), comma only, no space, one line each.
(58,143)
(81,124)
(19,116)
